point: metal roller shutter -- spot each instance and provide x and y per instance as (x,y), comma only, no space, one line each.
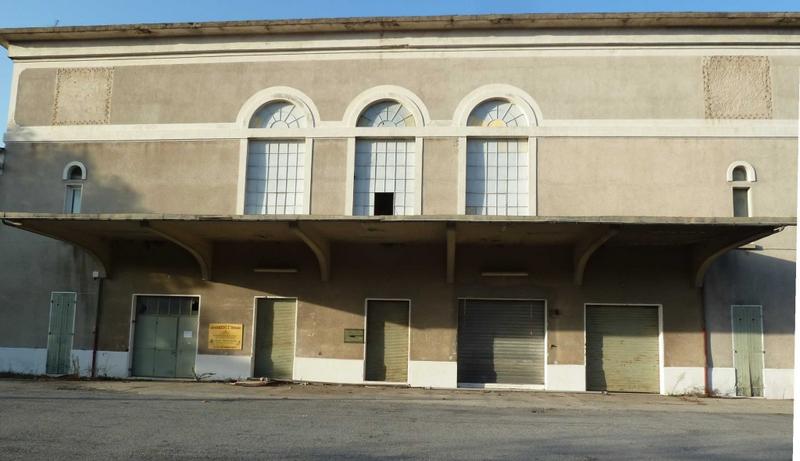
(387,341)
(501,342)
(274,348)
(622,348)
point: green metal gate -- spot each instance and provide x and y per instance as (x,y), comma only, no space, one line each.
(748,350)
(387,341)
(60,333)
(622,350)
(274,338)
(165,336)
(501,341)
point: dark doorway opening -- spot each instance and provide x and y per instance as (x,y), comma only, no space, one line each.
(384,203)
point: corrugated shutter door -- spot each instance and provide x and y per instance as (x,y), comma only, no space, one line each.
(622,348)
(501,342)
(275,338)
(387,341)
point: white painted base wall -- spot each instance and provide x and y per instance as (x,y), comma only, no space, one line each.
(684,380)
(82,359)
(222,367)
(779,383)
(441,375)
(113,364)
(566,378)
(324,370)
(33,361)
(24,360)
(722,381)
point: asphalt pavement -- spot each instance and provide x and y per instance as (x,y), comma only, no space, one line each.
(56,419)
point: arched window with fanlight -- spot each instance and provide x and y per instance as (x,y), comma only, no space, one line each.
(74,176)
(275,179)
(385,166)
(741,176)
(497,166)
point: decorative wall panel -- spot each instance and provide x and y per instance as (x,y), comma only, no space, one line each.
(737,87)
(83,96)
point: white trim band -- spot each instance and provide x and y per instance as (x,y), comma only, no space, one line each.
(687,128)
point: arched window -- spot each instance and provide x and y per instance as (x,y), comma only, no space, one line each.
(497,113)
(278,114)
(74,175)
(386,114)
(275,180)
(497,167)
(740,175)
(385,167)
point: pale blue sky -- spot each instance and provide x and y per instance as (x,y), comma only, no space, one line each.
(30,13)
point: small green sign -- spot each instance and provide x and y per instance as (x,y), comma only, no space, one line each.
(354,335)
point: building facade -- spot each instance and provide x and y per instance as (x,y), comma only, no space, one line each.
(558,202)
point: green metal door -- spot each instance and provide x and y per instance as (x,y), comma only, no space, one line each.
(748,351)
(274,338)
(622,352)
(501,341)
(165,336)
(60,333)
(387,341)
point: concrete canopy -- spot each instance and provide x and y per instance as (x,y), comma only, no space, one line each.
(704,238)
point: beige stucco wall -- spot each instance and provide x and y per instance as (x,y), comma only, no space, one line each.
(439,177)
(31,267)
(565,87)
(667,176)
(576,176)
(328,177)
(360,272)
(763,276)
(165,177)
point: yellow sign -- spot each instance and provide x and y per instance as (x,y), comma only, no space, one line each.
(224,335)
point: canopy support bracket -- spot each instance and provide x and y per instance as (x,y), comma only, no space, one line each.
(586,247)
(318,245)
(201,250)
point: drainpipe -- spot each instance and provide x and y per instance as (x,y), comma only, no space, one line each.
(96,323)
(706,344)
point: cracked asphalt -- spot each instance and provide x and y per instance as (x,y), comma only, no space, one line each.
(61,419)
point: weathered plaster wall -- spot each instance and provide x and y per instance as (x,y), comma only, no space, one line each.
(762,276)
(440,177)
(408,272)
(328,176)
(165,177)
(667,176)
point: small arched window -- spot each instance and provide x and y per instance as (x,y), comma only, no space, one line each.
(74,171)
(740,171)
(74,175)
(740,175)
